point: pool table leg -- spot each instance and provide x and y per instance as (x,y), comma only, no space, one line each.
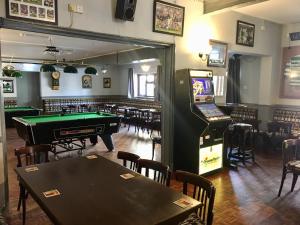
(108,141)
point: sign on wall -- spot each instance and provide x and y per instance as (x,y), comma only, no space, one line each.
(290,72)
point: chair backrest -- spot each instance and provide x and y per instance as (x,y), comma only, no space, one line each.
(154,170)
(34,154)
(23,153)
(130,160)
(202,190)
(290,150)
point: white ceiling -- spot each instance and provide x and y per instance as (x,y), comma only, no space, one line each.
(279,11)
(26,45)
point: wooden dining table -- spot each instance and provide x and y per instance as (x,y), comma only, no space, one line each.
(94,190)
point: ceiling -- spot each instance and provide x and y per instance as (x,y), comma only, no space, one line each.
(279,11)
(26,45)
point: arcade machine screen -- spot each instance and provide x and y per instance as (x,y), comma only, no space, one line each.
(202,89)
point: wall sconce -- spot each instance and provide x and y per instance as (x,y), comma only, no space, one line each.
(145,67)
(203,56)
(104,70)
(205,51)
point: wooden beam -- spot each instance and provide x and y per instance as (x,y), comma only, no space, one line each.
(215,5)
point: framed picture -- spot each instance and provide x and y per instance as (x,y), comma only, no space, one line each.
(42,11)
(8,86)
(106,82)
(245,33)
(290,73)
(168,18)
(86,81)
(218,54)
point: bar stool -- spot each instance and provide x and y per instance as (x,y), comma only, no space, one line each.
(241,143)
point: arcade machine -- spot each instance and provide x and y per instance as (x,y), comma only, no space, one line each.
(198,123)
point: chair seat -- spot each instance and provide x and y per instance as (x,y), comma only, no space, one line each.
(293,163)
(192,219)
(294,166)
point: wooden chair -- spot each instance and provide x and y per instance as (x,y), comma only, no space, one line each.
(34,154)
(130,160)
(203,191)
(161,172)
(290,161)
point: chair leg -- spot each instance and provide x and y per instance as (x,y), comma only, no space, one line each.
(20,198)
(153,148)
(253,156)
(282,181)
(295,177)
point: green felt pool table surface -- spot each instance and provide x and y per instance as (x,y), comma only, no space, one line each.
(18,108)
(67,117)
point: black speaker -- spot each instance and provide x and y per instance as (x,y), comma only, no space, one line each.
(125,9)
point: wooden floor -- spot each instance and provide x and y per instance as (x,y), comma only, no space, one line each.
(243,197)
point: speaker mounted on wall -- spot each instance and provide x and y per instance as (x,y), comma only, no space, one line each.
(125,9)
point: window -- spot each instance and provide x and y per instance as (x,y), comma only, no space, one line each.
(145,85)
(218,85)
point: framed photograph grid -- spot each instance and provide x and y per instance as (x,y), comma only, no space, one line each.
(42,11)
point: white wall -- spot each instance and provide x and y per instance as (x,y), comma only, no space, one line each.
(222,27)
(250,79)
(71,84)
(98,16)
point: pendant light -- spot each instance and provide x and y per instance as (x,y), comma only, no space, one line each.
(70,69)
(91,70)
(47,68)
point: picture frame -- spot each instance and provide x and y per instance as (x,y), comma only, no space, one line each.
(290,73)
(218,54)
(245,33)
(8,86)
(168,18)
(86,81)
(106,82)
(40,11)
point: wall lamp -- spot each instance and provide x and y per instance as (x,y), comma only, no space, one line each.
(203,56)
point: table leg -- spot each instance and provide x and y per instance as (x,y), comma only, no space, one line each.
(108,141)
(23,199)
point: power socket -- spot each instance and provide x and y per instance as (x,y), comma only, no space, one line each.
(72,7)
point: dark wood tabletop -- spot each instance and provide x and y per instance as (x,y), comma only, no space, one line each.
(93,193)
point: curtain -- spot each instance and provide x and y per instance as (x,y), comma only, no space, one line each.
(130,83)
(233,80)
(157,84)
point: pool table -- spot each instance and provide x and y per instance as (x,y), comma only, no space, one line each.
(17,111)
(65,129)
